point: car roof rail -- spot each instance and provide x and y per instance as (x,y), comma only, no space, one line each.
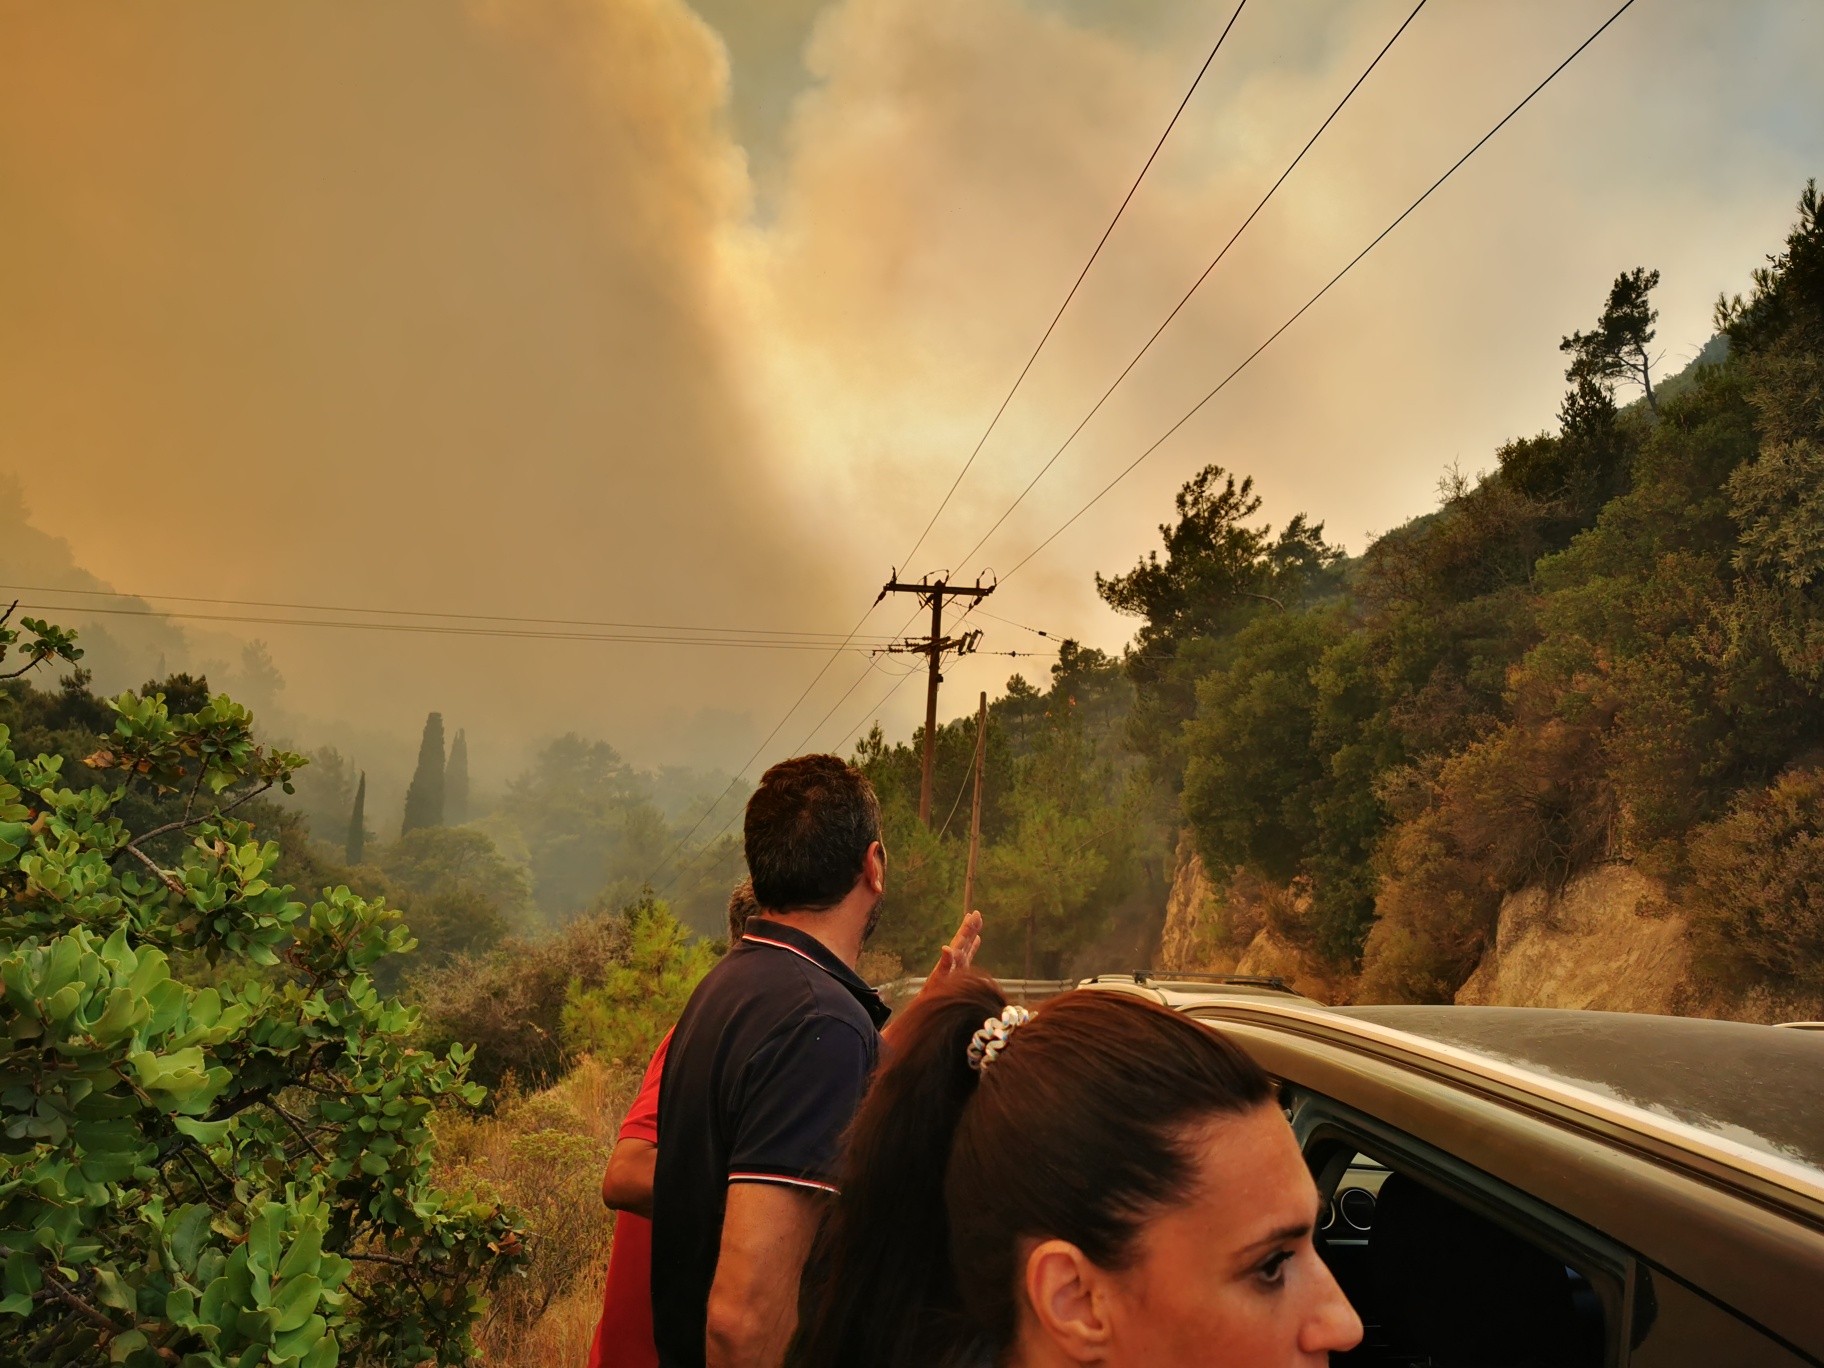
(1144,976)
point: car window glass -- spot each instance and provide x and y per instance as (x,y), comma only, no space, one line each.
(1436,1282)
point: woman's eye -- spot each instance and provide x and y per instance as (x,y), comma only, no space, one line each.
(1274,1269)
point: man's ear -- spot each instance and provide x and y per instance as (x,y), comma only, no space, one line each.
(874,868)
(1067,1297)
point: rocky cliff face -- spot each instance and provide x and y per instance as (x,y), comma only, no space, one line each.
(1189,940)
(1607,941)
(1234,930)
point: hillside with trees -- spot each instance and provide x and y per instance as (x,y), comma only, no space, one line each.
(1608,649)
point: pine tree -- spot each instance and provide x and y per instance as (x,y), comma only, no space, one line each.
(456,781)
(357,824)
(1620,347)
(424,799)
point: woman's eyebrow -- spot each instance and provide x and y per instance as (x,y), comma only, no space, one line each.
(1296,1231)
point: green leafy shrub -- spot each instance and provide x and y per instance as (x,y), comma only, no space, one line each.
(624,1016)
(507,1004)
(211,1175)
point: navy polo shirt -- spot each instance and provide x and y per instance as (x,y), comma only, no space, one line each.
(764,1073)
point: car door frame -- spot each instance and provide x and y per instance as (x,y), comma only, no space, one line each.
(1759,1262)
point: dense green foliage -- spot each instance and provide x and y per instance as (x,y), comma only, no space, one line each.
(217,1144)
(1593,652)
(642,992)
(1073,852)
(608,984)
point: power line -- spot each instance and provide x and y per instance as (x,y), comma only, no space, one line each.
(1036,631)
(1075,285)
(944,502)
(872,712)
(1249,359)
(780,643)
(696,826)
(394,612)
(1197,284)
(710,844)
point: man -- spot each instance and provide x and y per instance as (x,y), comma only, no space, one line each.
(765,1070)
(623,1335)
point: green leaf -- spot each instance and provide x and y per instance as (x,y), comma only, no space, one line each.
(61,1003)
(207,1132)
(180,1306)
(22,1275)
(323,1355)
(305,1253)
(186,1234)
(296,1300)
(113,1290)
(122,1347)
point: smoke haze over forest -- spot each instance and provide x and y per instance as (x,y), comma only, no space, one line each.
(632,311)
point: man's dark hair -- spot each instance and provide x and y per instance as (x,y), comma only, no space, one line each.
(808,829)
(741,906)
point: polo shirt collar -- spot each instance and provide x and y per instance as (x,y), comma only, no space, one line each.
(778,936)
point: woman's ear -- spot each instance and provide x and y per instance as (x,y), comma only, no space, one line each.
(1067,1298)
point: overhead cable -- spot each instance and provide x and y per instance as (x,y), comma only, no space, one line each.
(763,643)
(1075,285)
(400,612)
(1196,284)
(1303,308)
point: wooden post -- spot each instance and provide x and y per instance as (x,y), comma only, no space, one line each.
(931,682)
(933,648)
(975,806)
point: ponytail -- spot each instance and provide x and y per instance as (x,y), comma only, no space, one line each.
(1079,1128)
(879,1287)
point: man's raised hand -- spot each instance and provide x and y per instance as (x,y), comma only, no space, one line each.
(960,952)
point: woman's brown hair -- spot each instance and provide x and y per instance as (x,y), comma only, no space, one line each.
(1078,1130)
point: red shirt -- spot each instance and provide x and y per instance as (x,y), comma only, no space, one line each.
(623,1336)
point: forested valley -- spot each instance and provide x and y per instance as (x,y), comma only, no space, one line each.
(1606,649)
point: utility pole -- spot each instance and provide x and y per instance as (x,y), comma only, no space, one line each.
(933,593)
(975,807)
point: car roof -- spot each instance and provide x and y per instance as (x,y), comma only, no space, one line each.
(1750,1096)
(1756,1085)
(1184,991)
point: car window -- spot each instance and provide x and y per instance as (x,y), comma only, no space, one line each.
(1437,1282)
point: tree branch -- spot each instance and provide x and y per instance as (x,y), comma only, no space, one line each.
(297,1128)
(190,803)
(169,880)
(187,821)
(392,1259)
(55,1286)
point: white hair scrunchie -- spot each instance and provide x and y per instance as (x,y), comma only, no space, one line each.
(988,1042)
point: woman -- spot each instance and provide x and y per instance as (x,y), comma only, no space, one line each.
(1099,1181)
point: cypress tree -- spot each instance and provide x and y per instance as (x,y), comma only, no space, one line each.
(357,824)
(456,781)
(424,799)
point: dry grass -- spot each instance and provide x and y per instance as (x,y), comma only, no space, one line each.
(544,1153)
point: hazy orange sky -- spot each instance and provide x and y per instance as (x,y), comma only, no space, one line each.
(629,310)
